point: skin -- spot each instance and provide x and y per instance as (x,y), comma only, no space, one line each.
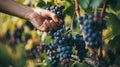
(42,19)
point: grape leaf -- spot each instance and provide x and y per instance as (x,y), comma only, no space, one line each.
(70,10)
(69,7)
(114,43)
(96,3)
(42,4)
(84,3)
(117,61)
(5,55)
(114,4)
(20,60)
(114,22)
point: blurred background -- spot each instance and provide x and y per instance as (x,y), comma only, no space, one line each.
(18,36)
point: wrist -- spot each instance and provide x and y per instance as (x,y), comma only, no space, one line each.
(34,17)
(30,14)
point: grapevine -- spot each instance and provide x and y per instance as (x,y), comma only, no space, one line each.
(78,39)
(91,28)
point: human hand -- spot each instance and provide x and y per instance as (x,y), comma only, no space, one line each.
(44,20)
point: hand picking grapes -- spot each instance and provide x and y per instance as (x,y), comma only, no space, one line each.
(37,16)
(59,33)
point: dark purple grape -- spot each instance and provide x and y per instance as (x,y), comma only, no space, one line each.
(58,10)
(86,22)
(80,22)
(91,29)
(85,16)
(80,18)
(96,19)
(63,49)
(69,36)
(80,47)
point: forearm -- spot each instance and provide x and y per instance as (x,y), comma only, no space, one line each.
(13,8)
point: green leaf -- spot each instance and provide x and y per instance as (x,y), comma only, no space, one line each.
(70,10)
(5,55)
(117,61)
(114,43)
(19,56)
(96,3)
(115,5)
(69,7)
(89,10)
(114,22)
(84,3)
(42,4)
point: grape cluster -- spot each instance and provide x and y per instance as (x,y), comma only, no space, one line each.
(17,34)
(64,41)
(52,54)
(80,46)
(92,28)
(41,47)
(111,55)
(58,10)
(34,52)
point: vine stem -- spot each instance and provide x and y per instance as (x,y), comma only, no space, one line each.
(103,9)
(72,20)
(77,11)
(101,18)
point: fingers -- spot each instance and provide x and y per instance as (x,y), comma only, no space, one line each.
(60,22)
(53,16)
(44,26)
(53,25)
(47,14)
(43,22)
(49,25)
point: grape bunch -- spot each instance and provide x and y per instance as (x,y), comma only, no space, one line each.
(17,34)
(80,47)
(58,10)
(41,47)
(92,29)
(52,54)
(64,41)
(34,52)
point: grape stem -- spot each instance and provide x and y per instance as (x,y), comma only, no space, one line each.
(77,11)
(101,17)
(72,21)
(103,9)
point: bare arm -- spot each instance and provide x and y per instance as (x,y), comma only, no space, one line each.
(14,8)
(38,17)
